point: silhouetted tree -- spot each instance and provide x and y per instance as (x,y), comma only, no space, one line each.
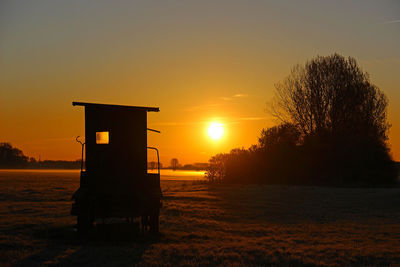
(334,131)
(285,134)
(11,157)
(332,96)
(342,118)
(239,166)
(174,163)
(216,171)
(277,154)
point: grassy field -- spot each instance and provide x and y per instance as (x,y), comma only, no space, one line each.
(203,225)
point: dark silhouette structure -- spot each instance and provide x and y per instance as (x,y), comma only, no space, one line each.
(115,182)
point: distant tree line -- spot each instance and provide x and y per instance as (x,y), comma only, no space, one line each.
(198,166)
(152,165)
(175,165)
(332,130)
(13,158)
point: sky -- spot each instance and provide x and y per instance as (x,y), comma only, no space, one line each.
(198,61)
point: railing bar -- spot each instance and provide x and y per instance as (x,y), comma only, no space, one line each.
(158,158)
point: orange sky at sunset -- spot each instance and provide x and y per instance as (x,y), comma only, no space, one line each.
(199,62)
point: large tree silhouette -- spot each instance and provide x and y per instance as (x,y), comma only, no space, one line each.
(342,119)
(333,130)
(332,96)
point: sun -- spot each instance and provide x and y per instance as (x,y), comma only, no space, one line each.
(215,130)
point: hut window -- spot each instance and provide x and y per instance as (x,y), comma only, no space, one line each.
(102,138)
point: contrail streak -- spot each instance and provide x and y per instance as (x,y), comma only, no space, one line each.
(390,21)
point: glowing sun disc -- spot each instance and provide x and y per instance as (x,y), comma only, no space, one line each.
(215,130)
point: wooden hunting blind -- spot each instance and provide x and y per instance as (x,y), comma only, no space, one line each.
(115,182)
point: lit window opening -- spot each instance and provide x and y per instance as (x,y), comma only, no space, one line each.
(102,138)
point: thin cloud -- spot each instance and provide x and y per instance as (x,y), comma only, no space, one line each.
(241,95)
(228,98)
(390,22)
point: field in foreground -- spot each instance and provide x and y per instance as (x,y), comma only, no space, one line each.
(204,225)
